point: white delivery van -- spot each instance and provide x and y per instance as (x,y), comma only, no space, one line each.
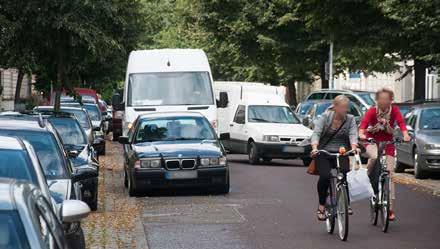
(167,80)
(261,125)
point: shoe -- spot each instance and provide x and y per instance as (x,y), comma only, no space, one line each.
(350,211)
(391,216)
(321,215)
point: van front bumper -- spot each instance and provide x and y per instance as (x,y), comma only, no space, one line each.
(282,151)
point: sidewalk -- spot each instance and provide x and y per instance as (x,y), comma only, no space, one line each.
(431,186)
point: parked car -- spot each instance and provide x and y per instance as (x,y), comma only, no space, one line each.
(423,152)
(80,152)
(303,107)
(62,178)
(28,220)
(363,99)
(80,114)
(320,106)
(173,150)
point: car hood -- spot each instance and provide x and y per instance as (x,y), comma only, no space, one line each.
(429,136)
(178,149)
(296,130)
(60,189)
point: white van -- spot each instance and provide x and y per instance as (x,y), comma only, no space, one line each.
(167,80)
(260,124)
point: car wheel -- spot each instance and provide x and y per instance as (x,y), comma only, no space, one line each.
(77,240)
(306,161)
(253,153)
(267,159)
(132,191)
(400,167)
(418,172)
(125,179)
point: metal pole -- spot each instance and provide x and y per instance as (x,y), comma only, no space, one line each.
(330,70)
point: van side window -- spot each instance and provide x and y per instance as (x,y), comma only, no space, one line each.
(240,115)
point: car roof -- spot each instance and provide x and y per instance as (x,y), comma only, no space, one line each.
(170,114)
(332,90)
(62,107)
(23,122)
(10,143)
(427,105)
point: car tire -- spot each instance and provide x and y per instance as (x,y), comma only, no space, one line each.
(77,240)
(306,161)
(125,179)
(418,172)
(400,167)
(267,159)
(94,203)
(132,191)
(253,153)
(225,188)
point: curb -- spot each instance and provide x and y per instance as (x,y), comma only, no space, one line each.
(421,185)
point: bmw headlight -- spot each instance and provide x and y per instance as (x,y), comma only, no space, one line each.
(432,146)
(150,163)
(213,161)
(271,138)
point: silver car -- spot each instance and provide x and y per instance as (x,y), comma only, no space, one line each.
(27,219)
(423,152)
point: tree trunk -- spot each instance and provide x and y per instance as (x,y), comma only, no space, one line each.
(323,76)
(18,88)
(419,79)
(291,88)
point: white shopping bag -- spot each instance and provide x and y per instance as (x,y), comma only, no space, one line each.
(359,186)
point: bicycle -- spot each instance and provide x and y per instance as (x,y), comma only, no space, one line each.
(337,200)
(380,180)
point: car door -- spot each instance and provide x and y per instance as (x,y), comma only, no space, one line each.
(237,142)
(404,150)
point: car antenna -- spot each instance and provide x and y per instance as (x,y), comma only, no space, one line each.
(41,121)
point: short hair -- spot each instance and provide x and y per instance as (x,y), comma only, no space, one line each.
(340,98)
(385,90)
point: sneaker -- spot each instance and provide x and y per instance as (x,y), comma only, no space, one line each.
(391,216)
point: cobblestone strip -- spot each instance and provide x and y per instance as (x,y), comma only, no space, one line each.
(117,222)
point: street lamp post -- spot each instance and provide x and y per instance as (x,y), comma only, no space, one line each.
(330,70)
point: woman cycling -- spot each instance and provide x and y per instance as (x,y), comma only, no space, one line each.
(335,128)
(378,123)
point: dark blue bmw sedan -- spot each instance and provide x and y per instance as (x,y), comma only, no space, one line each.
(174,150)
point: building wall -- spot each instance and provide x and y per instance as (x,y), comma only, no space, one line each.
(8,80)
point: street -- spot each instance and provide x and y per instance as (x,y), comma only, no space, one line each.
(269,206)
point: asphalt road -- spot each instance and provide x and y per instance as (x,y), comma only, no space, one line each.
(273,206)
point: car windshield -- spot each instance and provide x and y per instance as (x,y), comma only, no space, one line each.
(94,113)
(12,233)
(430,119)
(404,109)
(321,108)
(367,98)
(80,114)
(70,131)
(271,114)
(304,108)
(16,164)
(175,88)
(174,128)
(47,150)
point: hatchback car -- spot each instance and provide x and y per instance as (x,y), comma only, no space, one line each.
(423,152)
(80,152)
(27,218)
(174,150)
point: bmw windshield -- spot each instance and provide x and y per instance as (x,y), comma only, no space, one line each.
(174,88)
(175,128)
(271,114)
(47,150)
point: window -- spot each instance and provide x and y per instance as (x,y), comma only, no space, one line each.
(321,108)
(429,119)
(50,230)
(271,114)
(318,95)
(240,115)
(12,233)
(16,164)
(94,112)
(331,95)
(354,111)
(70,131)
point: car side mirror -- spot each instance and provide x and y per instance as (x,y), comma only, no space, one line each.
(74,211)
(225,136)
(223,100)
(97,128)
(72,153)
(123,140)
(84,174)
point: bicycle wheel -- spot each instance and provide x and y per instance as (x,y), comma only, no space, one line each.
(330,210)
(373,211)
(342,212)
(384,210)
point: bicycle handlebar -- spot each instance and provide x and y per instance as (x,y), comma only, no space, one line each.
(373,141)
(348,153)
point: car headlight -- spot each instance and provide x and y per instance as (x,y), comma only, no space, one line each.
(150,163)
(212,161)
(271,138)
(432,146)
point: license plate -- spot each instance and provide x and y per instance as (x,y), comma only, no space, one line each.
(294,149)
(181,174)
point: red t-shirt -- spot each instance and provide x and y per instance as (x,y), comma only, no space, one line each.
(370,119)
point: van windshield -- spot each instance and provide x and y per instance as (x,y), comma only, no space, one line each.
(271,114)
(173,88)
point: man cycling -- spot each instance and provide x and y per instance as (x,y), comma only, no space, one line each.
(378,123)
